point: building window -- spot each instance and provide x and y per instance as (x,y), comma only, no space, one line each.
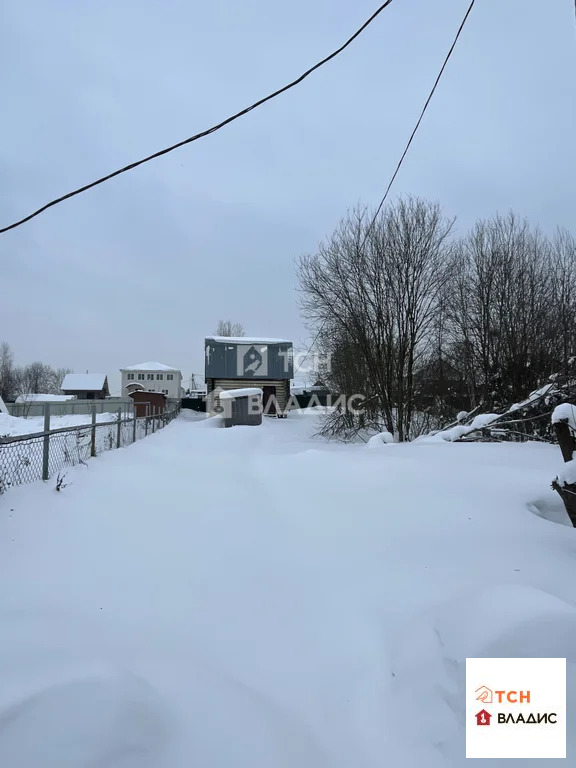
(150,376)
(165,391)
(169,377)
(159,376)
(140,377)
(130,377)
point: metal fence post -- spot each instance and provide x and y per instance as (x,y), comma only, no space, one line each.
(134,428)
(93,433)
(146,420)
(119,433)
(46,447)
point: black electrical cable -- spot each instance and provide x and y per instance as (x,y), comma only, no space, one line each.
(207,132)
(422,113)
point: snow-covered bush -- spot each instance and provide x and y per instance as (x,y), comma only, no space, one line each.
(382,438)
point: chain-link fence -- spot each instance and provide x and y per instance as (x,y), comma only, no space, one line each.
(40,456)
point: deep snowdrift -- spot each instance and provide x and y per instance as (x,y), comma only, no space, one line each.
(11,426)
(253,598)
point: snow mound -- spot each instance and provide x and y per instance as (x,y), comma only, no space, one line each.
(43,398)
(550,508)
(429,661)
(508,620)
(113,721)
(382,438)
(11,426)
(461,430)
(567,475)
(565,412)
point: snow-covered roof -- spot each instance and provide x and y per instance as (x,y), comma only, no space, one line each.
(81,381)
(246,340)
(40,398)
(154,366)
(146,392)
(232,394)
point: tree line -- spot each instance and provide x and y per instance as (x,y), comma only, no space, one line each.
(35,377)
(425,323)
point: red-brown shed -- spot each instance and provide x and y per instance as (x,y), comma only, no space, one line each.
(148,403)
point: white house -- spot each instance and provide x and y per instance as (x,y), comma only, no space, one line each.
(153,377)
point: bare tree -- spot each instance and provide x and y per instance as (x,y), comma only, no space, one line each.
(563,297)
(39,378)
(7,373)
(512,288)
(375,293)
(228,328)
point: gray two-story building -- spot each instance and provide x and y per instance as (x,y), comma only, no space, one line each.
(239,362)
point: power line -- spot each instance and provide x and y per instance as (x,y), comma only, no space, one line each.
(208,131)
(422,113)
(407,147)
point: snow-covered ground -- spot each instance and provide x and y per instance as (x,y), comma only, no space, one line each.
(254,598)
(11,426)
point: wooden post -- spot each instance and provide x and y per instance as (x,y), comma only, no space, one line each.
(46,446)
(93,433)
(119,428)
(567,492)
(565,439)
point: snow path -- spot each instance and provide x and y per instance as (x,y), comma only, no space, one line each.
(251,598)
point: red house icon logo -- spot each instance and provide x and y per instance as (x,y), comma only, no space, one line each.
(483,717)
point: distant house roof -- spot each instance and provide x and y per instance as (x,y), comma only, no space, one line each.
(77,382)
(154,366)
(246,340)
(39,398)
(146,392)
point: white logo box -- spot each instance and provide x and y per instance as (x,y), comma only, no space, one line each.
(529,695)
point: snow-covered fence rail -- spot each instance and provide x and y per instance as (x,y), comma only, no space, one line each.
(30,408)
(40,456)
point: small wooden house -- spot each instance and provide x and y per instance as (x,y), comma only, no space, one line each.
(86,386)
(240,362)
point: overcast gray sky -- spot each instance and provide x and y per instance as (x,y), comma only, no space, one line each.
(143,267)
